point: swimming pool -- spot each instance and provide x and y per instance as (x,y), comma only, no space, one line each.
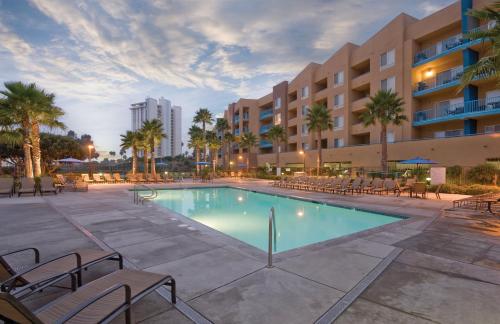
(244,215)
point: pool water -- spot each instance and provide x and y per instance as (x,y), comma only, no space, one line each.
(244,215)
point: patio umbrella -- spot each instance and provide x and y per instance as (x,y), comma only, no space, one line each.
(202,163)
(70,160)
(418,160)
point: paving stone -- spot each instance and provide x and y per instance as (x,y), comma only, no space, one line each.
(367,247)
(491,260)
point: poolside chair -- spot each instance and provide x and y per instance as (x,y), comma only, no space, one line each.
(27,186)
(108,178)
(60,182)
(86,178)
(356,185)
(99,301)
(97,178)
(151,178)
(118,178)
(408,185)
(139,177)
(419,188)
(376,183)
(344,186)
(47,185)
(41,272)
(7,186)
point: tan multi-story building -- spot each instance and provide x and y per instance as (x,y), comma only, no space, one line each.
(422,60)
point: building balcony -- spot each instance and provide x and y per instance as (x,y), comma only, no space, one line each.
(246,116)
(468,109)
(447,46)
(265,144)
(237,132)
(264,129)
(359,128)
(321,94)
(442,80)
(265,114)
(360,80)
(360,104)
(237,119)
(292,138)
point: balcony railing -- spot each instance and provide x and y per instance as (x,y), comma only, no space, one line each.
(266,114)
(442,79)
(237,119)
(246,116)
(264,129)
(458,111)
(265,144)
(237,132)
(447,45)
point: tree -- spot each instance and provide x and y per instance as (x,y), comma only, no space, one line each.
(385,108)
(153,132)
(248,141)
(489,64)
(196,142)
(204,117)
(222,126)
(55,147)
(229,139)
(214,144)
(133,141)
(319,119)
(277,135)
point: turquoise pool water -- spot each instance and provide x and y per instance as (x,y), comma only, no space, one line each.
(244,215)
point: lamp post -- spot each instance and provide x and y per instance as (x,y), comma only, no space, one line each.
(90,147)
(301,152)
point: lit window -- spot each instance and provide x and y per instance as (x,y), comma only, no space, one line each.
(338,78)
(277,103)
(387,59)
(304,92)
(277,119)
(388,84)
(338,101)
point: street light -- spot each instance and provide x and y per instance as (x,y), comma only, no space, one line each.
(90,147)
(301,152)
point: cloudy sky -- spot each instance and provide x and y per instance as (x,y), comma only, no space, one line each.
(100,56)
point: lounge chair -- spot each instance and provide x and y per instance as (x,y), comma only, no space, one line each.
(61,182)
(376,184)
(97,178)
(408,185)
(86,178)
(419,188)
(47,185)
(356,185)
(108,178)
(99,301)
(344,186)
(6,186)
(151,178)
(118,178)
(139,177)
(27,186)
(40,272)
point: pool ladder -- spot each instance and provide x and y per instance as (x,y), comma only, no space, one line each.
(140,199)
(272,238)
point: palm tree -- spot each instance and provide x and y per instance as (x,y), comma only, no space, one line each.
(153,132)
(319,119)
(133,141)
(277,135)
(489,64)
(221,126)
(204,117)
(386,108)
(196,142)
(229,139)
(248,141)
(214,144)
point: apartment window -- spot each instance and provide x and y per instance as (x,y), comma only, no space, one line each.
(449,133)
(338,101)
(277,119)
(338,78)
(490,129)
(338,142)
(305,131)
(277,103)
(305,146)
(390,137)
(304,92)
(338,122)
(388,84)
(387,59)
(305,109)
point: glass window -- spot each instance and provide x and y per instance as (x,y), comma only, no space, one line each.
(338,100)
(338,78)
(277,119)
(388,84)
(304,92)
(338,142)
(305,108)
(305,131)
(338,122)
(387,59)
(390,137)
(277,103)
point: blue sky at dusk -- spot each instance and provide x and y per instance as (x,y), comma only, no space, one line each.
(98,57)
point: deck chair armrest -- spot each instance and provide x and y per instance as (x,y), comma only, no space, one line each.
(8,284)
(126,304)
(35,251)
(39,285)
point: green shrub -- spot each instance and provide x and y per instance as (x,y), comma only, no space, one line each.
(482,174)
(454,173)
(474,189)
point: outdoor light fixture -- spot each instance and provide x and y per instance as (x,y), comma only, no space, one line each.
(429,73)
(240,157)
(231,162)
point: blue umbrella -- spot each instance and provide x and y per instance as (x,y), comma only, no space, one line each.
(70,160)
(202,163)
(418,160)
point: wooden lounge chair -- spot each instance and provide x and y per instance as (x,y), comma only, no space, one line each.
(73,262)
(7,186)
(99,301)
(86,178)
(344,186)
(108,178)
(118,178)
(356,185)
(151,178)
(27,186)
(408,185)
(376,184)
(419,188)
(61,182)
(97,178)
(139,177)
(47,185)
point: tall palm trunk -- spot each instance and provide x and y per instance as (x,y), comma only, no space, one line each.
(277,158)
(204,143)
(28,163)
(134,160)
(35,148)
(197,156)
(383,141)
(153,161)
(224,156)
(319,152)
(229,154)
(145,151)
(214,160)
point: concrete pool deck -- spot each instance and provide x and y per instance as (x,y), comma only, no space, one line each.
(446,267)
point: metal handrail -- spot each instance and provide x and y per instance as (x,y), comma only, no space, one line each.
(272,238)
(140,199)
